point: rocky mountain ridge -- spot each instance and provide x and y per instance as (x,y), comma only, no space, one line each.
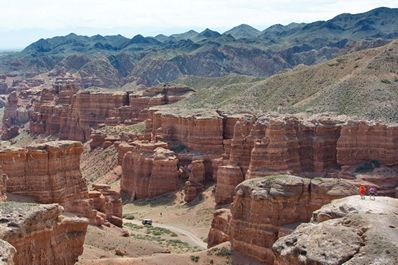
(117,60)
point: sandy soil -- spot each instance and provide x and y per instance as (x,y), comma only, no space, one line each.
(218,255)
(171,209)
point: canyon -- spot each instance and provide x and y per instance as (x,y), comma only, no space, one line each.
(82,166)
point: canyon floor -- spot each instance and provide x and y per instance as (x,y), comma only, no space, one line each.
(177,228)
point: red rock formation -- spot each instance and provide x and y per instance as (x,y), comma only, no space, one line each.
(346,231)
(71,114)
(219,231)
(365,141)
(201,131)
(41,234)
(50,173)
(107,202)
(266,208)
(270,145)
(3,186)
(196,180)
(148,172)
(14,116)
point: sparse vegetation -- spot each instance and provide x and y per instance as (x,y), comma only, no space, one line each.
(367,166)
(128,216)
(194,258)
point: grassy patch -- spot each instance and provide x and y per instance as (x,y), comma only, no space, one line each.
(128,216)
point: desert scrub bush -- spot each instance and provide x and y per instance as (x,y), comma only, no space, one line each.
(179,148)
(367,166)
(386,81)
(195,258)
(224,252)
(128,216)
(133,226)
(157,231)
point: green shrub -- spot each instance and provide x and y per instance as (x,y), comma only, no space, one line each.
(224,252)
(386,81)
(128,216)
(195,258)
(367,166)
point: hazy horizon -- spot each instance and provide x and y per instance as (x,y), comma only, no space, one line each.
(25,21)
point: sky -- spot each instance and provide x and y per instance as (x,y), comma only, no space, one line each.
(25,21)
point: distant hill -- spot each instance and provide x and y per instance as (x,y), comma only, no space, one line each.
(242,50)
(243,32)
(363,84)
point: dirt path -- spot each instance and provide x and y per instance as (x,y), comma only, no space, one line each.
(191,237)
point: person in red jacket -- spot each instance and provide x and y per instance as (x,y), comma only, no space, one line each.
(362,192)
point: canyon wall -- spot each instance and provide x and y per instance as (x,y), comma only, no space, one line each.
(346,231)
(148,170)
(70,113)
(265,209)
(363,141)
(201,131)
(40,234)
(50,173)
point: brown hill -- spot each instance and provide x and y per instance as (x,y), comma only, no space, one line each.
(363,84)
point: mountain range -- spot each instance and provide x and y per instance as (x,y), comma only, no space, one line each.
(243,50)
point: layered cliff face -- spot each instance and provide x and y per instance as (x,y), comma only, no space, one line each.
(268,145)
(220,228)
(16,114)
(50,173)
(265,209)
(196,180)
(348,230)
(66,112)
(248,146)
(40,234)
(148,171)
(200,131)
(108,204)
(363,141)
(3,185)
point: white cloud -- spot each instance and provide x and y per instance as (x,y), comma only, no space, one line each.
(161,16)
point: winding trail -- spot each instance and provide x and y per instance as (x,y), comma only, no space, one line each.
(193,239)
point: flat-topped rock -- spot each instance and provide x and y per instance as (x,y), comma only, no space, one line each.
(41,234)
(347,230)
(264,208)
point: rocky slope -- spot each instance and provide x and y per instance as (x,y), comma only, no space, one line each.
(265,209)
(360,84)
(348,230)
(114,60)
(40,234)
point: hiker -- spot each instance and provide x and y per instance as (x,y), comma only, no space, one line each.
(372,193)
(362,192)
